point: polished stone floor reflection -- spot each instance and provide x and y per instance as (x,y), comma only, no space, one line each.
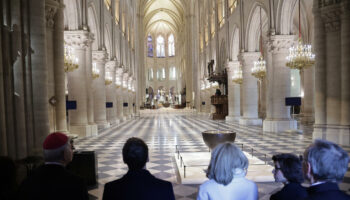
(163,129)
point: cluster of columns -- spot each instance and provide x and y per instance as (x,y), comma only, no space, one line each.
(243,99)
(332,71)
(99,104)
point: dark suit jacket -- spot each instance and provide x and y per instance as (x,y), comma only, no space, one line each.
(291,191)
(138,185)
(53,182)
(328,190)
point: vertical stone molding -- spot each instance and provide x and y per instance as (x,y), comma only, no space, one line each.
(234,102)
(50,12)
(99,90)
(39,73)
(250,90)
(331,18)
(90,100)
(111,94)
(320,75)
(60,93)
(278,87)
(78,83)
(345,73)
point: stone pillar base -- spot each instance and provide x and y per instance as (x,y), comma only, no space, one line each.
(250,121)
(84,130)
(281,125)
(307,119)
(232,118)
(114,122)
(333,133)
(103,125)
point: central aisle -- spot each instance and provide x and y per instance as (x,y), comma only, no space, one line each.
(162,130)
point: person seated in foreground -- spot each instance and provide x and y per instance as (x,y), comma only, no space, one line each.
(137,183)
(52,181)
(288,170)
(324,165)
(226,172)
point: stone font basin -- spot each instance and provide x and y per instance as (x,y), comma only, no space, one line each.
(214,137)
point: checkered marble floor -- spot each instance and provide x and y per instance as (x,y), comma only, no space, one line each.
(164,128)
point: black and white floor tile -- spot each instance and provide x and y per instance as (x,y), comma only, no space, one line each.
(162,130)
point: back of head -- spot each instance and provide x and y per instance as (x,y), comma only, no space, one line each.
(135,153)
(329,162)
(290,166)
(226,160)
(54,147)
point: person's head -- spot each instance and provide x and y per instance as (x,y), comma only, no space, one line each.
(325,161)
(135,153)
(57,148)
(288,168)
(226,161)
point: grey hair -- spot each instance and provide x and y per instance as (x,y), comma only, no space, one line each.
(55,155)
(329,162)
(225,159)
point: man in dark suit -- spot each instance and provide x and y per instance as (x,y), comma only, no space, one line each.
(52,181)
(137,183)
(288,171)
(324,165)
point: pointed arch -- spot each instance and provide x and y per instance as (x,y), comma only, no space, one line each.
(234,43)
(72,13)
(93,25)
(253,26)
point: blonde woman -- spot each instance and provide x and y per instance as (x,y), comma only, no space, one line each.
(226,173)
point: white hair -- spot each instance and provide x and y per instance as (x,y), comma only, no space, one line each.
(329,162)
(226,158)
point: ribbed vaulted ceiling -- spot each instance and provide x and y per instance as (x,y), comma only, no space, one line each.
(163,16)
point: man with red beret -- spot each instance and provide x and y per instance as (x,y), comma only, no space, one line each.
(52,181)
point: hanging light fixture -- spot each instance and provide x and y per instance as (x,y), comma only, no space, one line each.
(108,79)
(259,69)
(300,56)
(238,75)
(70,61)
(95,71)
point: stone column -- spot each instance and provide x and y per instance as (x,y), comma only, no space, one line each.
(111,94)
(90,100)
(78,83)
(125,96)
(60,93)
(99,90)
(320,74)
(345,74)
(39,73)
(278,87)
(119,94)
(50,11)
(307,87)
(233,93)
(250,90)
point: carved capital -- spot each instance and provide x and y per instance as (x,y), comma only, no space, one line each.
(281,43)
(231,66)
(99,56)
(78,39)
(111,65)
(248,58)
(51,7)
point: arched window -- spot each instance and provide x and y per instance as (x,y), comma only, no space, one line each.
(172,73)
(160,47)
(149,46)
(150,74)
(171,45)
